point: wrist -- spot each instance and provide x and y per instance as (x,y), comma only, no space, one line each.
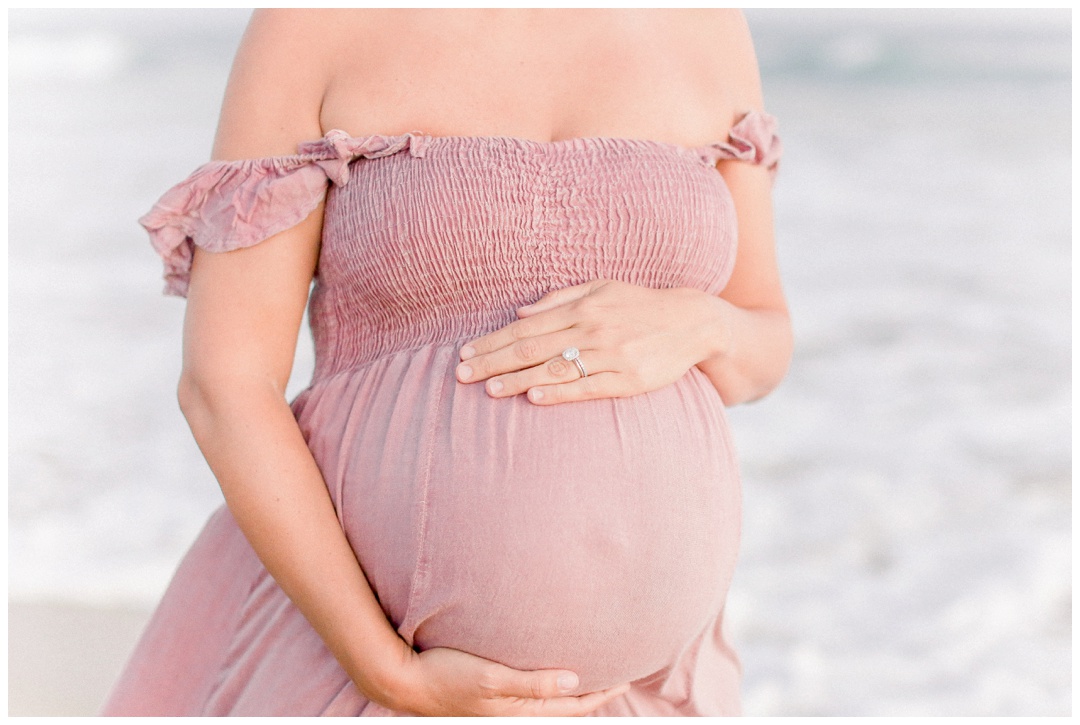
(714,326)
(388,679)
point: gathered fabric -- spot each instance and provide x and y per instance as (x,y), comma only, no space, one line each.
(225,205)
(599,536)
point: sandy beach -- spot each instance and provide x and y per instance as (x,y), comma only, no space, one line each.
(63,657)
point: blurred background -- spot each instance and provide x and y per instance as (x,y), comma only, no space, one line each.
(907,530)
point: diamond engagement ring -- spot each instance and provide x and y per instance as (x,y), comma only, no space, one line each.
(571,353)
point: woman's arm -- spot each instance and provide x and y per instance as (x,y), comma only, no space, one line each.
(243,315)
(749,325)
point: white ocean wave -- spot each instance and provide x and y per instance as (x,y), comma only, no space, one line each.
(904,46)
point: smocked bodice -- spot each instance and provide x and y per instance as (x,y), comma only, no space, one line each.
(430,248)
(606,528)
(429,239)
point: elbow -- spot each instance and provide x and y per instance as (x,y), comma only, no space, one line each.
(192,399)
(764,378)
(203,395)
(197,395)
(781,363)
(782,360)
(190,395)
(751,391)
(763,388)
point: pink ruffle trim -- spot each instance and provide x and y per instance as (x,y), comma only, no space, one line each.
(227,205)
(753,139)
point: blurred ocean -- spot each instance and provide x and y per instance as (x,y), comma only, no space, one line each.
(907,537)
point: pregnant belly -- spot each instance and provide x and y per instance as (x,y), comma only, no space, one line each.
(598,536)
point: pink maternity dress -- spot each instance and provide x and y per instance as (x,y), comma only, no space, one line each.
(598,536)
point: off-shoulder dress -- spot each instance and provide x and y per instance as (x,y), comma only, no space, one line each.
(598,536)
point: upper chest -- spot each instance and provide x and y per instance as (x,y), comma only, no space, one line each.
(567,74)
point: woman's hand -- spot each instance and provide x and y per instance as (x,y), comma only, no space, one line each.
(444,681)
(630,339)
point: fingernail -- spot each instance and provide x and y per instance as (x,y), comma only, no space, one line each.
(568,681)
(464,372)
(495,386)
(537,394)
(467,352)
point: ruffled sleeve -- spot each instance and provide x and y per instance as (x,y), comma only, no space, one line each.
(753,139)
(227,205)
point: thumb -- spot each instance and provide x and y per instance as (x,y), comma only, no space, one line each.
(539,684)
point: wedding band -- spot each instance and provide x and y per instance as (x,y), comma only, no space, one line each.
(572,353)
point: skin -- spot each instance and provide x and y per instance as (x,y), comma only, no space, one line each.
(539,74)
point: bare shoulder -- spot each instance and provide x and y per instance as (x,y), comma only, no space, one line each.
(276,83)
(722,40)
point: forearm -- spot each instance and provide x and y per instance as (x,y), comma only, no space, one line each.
(748,350)
(277,495)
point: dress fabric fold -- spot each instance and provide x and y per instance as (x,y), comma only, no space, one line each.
(599,536)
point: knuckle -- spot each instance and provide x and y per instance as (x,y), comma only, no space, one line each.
(521,329)
(558,367)
(536,689)
(489,681)
(526,349)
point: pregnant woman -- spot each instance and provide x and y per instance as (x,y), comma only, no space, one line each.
(543,261)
